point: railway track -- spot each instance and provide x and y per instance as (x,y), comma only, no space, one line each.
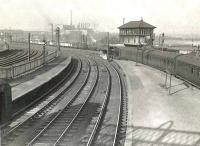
(48,97)
(36,113)
(63,119)
(123,115)
(107,133)
(9,54)
(19,57)
(85,124)
(96,120)
(87,112)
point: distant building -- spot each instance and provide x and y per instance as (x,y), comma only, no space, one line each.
(68,27)
(75,36)
(80,34)
(136,33)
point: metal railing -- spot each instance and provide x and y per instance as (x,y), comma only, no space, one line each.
(26,67)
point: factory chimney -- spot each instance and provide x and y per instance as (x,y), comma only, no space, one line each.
(123,20)
(71,17)
(52,32)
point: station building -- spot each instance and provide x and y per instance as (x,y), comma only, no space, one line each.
(136,33)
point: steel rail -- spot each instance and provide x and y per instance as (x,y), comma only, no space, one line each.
(11,54)
(61,111)
(20,53)
(90,140)
(16,59)
(81,108)
(120,105)
(19,57)
(51,101)
(50,91)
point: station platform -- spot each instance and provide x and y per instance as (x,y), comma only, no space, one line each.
(23,88)
(156,117)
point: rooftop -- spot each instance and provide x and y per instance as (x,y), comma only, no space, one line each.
(137,24)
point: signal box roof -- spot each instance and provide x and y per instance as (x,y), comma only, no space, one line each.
(137,24)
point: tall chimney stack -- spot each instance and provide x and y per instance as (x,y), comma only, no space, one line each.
(71,17)
(123,20)
(52,32)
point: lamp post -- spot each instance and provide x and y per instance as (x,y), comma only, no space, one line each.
(29,45)
(51,32)
(139,33)
(58,37)
(44,49)
(86,40)
(163,39)
(108,45)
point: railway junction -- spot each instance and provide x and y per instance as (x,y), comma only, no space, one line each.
(78,98)
(76,102)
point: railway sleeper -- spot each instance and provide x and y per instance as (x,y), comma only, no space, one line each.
(52,133)
(63,120)
(65,141)
(63,144)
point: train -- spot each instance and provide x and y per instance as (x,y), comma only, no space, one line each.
(184,66)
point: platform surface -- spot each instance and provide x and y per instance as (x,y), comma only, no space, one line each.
(23,88)
(154,116)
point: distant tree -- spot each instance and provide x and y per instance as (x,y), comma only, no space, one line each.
(104,40)
(114,39)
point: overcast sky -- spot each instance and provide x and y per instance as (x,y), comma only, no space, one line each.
(169,16)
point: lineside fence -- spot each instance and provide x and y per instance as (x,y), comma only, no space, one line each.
(26,67)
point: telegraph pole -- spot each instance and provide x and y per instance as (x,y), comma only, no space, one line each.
(44,45)
(170,83)
(58,37)
(29,46)
(159,40)
(86,38)
(52,32)
(136,57)
(139,32)
(139,37)
(166,79)
(163,39)
(108,46)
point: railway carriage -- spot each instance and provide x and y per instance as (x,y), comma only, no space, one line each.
(162,60)
(188,68)
(146,56)
(131,53)
(127,53)
(184,66)
(149,56)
